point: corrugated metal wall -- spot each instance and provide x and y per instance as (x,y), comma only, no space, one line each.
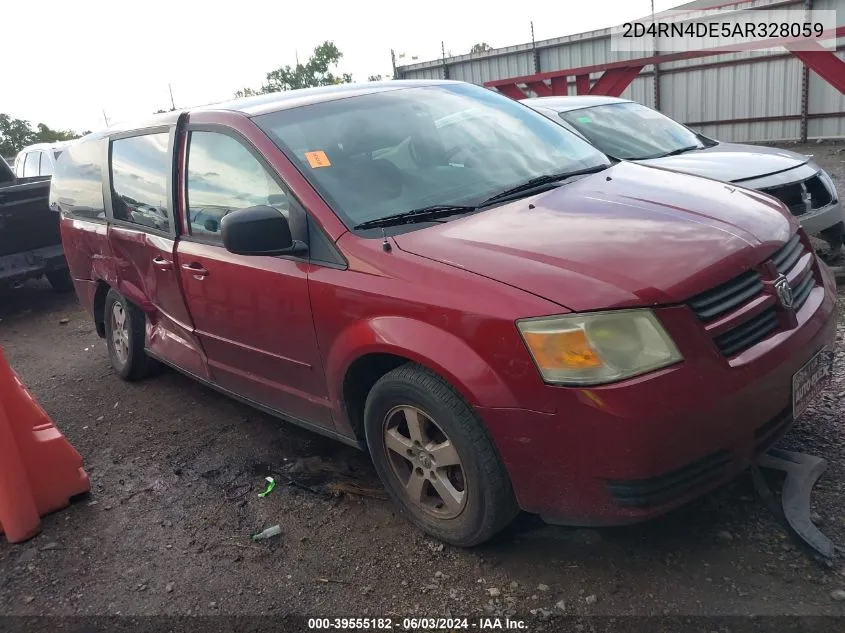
(716,94)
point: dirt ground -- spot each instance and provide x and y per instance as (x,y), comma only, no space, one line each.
(176,469)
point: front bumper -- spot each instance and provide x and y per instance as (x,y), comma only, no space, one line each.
(821,219)
(625,452)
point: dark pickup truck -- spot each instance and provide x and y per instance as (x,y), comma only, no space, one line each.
(30,244)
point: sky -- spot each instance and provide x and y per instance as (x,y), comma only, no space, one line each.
(90,56)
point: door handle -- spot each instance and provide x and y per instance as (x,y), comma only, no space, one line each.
(162,264)
(197,270)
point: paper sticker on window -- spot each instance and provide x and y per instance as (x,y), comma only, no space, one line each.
(584,119)
(317,159)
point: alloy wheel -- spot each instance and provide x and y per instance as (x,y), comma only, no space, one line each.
(425,462)
(120,333)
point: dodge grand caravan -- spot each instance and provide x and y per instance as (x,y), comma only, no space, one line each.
(502,316)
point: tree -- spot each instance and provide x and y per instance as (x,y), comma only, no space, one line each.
(247,92)
(480,48)
(47,135)
(15,134)
(315,72)
(375,78)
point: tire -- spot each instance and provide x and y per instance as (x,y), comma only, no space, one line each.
(126,342)
(480,497)
(60,280)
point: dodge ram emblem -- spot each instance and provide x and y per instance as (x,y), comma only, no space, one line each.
(784,292)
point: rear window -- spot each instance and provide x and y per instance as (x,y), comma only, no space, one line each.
(76,187)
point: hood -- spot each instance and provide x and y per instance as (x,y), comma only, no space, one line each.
(627,236)
(731,162)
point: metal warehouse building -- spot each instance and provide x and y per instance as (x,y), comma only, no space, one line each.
(754,95)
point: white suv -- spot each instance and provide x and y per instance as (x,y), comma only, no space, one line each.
(38,160)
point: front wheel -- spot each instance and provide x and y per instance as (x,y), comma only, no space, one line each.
(434,456)
(125,324)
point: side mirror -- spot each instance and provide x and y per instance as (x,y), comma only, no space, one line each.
(259,230)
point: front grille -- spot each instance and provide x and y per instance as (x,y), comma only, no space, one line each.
(794,195)
(727,301)
(642,493)
(744,336)
(784,260)
(788,254)
(802,291)
(727,296)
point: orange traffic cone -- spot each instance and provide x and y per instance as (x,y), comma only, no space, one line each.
(39,470)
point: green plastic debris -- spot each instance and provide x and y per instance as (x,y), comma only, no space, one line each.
(271,483)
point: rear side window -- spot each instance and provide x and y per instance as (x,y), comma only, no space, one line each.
(139,166)
(77,186)
(30,166)
(46,164)
(224,176)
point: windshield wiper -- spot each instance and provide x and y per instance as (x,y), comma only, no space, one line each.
(537,182)
(431,212)
(436,211)
(681,150)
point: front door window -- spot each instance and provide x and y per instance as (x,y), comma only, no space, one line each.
(223,176)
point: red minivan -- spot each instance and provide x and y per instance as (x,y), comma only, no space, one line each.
(501,315)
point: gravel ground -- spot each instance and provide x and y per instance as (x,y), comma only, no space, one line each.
(176,468)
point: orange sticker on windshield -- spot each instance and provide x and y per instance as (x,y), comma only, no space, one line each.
(317,159)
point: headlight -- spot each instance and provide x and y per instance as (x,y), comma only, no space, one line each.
(590,349)
(828,182)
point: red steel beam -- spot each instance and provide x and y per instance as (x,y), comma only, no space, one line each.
(613,82)
(511,90)
(610,84)
(747,61)
(560,86)
(608,80)
(658,59)
(541,88)
(824,63)
(582,84)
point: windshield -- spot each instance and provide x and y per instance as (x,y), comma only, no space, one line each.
(631,131)
(381,154)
